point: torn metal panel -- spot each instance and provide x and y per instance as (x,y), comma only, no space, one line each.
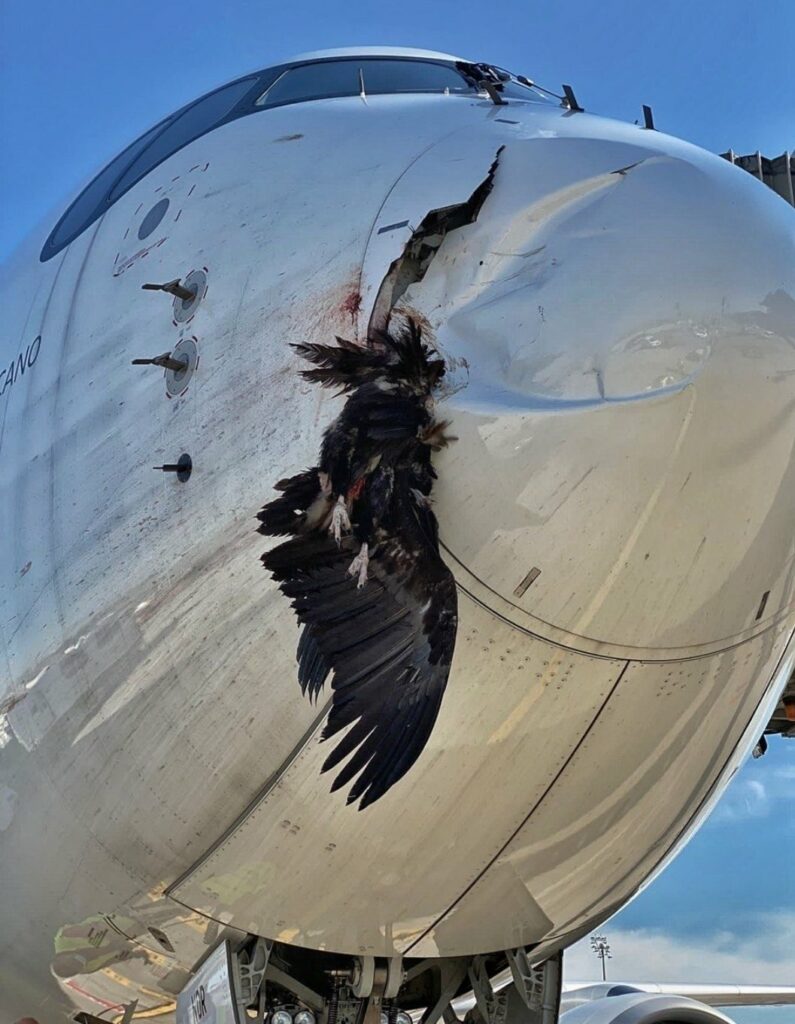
(410,267)
(455,174)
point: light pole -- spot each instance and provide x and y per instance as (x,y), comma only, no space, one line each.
(601,947)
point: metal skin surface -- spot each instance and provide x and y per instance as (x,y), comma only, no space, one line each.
(619,326)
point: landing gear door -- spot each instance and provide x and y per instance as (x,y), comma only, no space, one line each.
(210,996)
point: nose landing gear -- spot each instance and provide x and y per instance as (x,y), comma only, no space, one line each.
(277,984)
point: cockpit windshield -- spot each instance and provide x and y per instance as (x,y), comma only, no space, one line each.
(368,77)
(363,76)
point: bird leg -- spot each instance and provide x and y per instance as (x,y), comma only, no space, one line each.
(359,565)
(340,520)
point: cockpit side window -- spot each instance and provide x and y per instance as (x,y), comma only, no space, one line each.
(158,144)
(92,201)
(353,76)
(202,117)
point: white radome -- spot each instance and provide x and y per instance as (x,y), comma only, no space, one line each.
(617,319)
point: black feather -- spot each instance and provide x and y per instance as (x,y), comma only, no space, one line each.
(346,365)
(287,514)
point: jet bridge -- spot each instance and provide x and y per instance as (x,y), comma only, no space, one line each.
(783,720)
(777,172)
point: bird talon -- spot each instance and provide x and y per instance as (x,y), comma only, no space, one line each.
(359,565)
(340,520)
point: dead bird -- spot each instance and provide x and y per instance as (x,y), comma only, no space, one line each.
(362,566)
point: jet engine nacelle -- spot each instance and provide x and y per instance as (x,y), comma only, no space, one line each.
(621,1004)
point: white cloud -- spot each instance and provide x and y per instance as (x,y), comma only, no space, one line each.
(761,790)
(747,798)
(766,957)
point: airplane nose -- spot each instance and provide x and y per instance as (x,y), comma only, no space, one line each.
(620,327)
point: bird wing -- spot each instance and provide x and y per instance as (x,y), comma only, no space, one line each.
(300,506)
(389,643)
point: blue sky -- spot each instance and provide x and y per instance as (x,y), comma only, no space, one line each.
(79,80)
(724,911)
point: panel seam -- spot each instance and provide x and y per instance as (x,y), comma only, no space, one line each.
(528,816)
